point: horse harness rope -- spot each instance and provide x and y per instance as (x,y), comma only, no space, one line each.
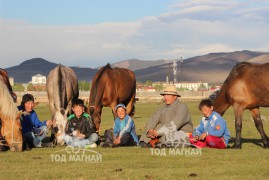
(12,131)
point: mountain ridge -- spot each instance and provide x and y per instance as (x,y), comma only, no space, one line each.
(212,67)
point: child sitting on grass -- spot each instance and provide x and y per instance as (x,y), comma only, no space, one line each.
(80,130)
(124,130)
(212,131)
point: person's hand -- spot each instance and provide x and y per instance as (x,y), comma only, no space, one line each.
(202,137)
(49,123)
(195,138)
(75,133)
(152,133)
(116,140)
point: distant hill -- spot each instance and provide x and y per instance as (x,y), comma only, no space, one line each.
(135,64)
(212,68)
(23,72)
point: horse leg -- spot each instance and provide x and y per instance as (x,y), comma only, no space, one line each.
(130,107)
(255,113)
(238,113)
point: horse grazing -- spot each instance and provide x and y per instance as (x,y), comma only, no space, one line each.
(10,119)
(62,88)
(246,87)
(110,87)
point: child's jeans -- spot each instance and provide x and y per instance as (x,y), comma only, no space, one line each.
(36,136)
(80,142)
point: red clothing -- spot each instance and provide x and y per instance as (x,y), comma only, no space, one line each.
(210,141)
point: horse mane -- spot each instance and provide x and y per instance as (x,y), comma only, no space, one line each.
(95,85)
(8,109)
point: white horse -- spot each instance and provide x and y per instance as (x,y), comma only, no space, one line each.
(62,88)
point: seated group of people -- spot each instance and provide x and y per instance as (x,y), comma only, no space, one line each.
(169,126)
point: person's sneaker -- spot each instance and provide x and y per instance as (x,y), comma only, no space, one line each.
(161,145)
(106,145)
(144,145)
(94,145)
(47,145)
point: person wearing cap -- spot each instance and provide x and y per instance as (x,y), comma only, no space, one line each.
(33,130)
(172,115)
(124,133)
(80,130)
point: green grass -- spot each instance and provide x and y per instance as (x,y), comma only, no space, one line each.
(250,162)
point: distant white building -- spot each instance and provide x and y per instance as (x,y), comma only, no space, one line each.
(190,85)
(38,79)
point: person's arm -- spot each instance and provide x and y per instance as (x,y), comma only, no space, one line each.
(128,126)
(219,128)
(199,130)
(35,120)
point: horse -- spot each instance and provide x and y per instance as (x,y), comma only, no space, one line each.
(10,119)
(111,86)
(62,88)
(5,80)
(246,87)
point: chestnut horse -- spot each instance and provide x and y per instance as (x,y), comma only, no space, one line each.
(62,88)
(110,87)
(246,87)
(10,119)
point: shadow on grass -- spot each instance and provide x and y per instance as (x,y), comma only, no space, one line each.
(257,142)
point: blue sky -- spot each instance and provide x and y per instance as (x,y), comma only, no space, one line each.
(91,33)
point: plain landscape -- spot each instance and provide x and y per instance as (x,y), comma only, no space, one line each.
(250,162)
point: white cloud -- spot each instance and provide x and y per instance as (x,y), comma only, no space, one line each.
(189,29)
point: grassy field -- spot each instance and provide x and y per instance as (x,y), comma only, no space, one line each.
(250,162)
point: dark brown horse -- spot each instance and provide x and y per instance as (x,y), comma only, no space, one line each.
(62,88)
(246,87)
(110,87)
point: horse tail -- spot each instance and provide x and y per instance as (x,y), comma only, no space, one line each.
(95,86)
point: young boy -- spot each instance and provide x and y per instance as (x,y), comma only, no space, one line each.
(124,130)
(212,131)
(80,130)
(33,130)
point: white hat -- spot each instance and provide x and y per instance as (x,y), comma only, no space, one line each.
(170,90)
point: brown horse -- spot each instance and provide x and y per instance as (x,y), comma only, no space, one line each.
(10,119)
(62,88)
(110,87)
(246,87)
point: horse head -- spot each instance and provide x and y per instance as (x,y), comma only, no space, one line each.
(12,132)
(60,120)
(95,116)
